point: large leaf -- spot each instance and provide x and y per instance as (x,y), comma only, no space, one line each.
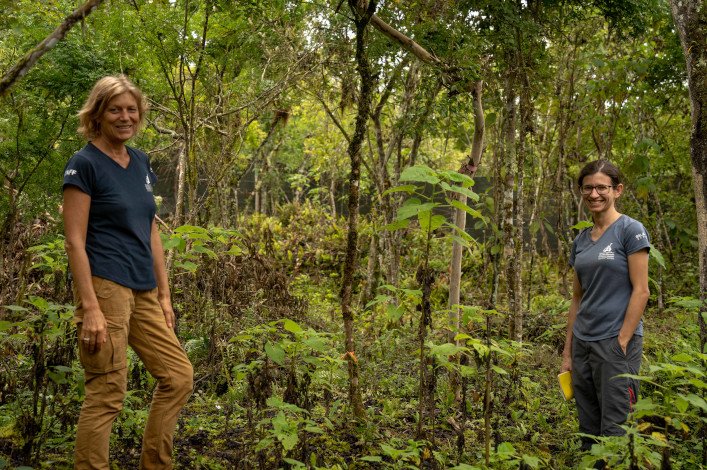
(419,174)
(657,256)
(406,188)
(461,190)
(412,207)
(429,222)
(275,353)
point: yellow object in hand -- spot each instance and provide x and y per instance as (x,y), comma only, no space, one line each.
(565,379)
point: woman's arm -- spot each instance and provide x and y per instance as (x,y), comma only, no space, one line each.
(638,273)
(76,208)
(574,307)
(161,275)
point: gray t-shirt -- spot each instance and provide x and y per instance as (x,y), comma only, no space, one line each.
(602,269)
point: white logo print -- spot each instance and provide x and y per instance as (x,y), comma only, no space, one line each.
(148,186)
(606,253)
(70,172)
(641,235)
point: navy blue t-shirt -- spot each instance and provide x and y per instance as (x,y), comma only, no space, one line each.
(602,270)
(121,214)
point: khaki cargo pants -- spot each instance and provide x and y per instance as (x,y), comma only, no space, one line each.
(134,318)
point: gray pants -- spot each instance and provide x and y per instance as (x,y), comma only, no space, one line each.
(604,400)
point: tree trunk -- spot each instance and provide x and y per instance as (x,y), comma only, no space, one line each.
(690,17)
(460,221)
(361,20)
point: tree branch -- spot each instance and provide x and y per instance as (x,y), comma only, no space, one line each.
(27,62)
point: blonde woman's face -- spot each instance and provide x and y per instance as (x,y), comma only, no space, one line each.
(120,120)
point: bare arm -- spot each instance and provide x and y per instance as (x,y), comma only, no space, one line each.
(160,269)
(638,273)
(571,317)
(76,208)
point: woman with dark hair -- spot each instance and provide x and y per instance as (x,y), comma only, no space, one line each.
(120,281)
(604,329)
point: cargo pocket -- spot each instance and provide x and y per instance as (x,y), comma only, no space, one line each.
(112,356)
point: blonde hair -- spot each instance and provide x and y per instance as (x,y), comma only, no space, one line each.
(102,92)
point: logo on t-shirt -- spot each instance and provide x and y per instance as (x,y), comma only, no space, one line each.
(642,236)
(606,253)
(70,172)
(148,186)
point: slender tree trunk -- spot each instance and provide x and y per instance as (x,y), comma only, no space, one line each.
(509,229)
(361,20)
(690,17)
(181,185)
(460,221)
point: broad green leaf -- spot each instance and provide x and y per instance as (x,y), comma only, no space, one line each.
(173,242)
(459,205)
(372,458)
(531,461)
(461,190)
(697,401)
(394,312)
(397,225)
(429,222)
(412,207)
(657,256)
(582,225)
(420,174)
(406,188)
(457,177)
(235,250)
(291,326)
(275,353)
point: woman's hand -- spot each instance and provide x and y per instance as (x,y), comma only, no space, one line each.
(566,364)
(168,311)
(94,330)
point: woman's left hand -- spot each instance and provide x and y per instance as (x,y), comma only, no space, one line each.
(623,343)
(168,312)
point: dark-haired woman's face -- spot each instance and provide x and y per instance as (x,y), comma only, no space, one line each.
(597,183)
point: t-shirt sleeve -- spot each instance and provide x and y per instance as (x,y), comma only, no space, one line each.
(636,238)
(79,172)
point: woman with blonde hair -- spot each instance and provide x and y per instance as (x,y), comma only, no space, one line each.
(120,280)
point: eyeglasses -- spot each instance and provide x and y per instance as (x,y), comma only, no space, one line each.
(600,188)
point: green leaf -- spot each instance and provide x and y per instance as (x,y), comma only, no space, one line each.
(531,461)
(413,207)
(235,250)
(420,174)
(682,357)
(657,256)
(582,225)
(291,326)
(397,225)
(275,353)
(406,188)
(461,190)
(187,266)
(394,312)
(429,222)
(459,205)
(681,404)
(15,308)
(457,177)
(173,242)
(697,401)
(372,458)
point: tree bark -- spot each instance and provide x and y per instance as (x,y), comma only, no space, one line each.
(690,17)
(20,69)
(361,20)
(460,221)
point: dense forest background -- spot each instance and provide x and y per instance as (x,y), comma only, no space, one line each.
(368,208)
